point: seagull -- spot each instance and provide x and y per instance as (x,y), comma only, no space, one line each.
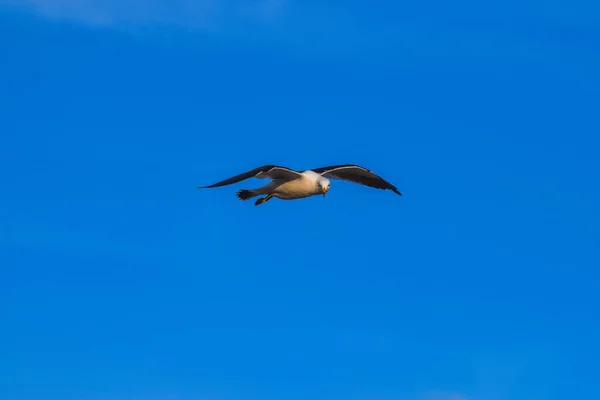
(287,184)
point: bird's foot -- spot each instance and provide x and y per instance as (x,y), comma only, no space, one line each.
(262,200)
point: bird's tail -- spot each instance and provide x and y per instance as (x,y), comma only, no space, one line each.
(245,194)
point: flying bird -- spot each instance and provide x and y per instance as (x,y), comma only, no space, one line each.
(287,184)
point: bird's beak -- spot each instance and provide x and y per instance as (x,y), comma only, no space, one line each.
(325,190)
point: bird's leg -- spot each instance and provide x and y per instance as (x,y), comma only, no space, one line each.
(263,200)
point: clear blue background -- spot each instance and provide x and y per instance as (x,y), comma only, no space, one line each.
(120,280)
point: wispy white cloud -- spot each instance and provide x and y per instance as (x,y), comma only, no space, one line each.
(189,13)
(427,395)
(443,395)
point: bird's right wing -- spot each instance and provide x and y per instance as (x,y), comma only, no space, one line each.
(357,174)
(266,171)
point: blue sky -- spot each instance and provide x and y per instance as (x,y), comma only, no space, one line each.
(119,280)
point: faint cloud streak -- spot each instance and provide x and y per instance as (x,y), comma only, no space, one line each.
(443,395)
(189,13)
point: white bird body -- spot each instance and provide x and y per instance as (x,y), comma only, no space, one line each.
(287,184)
(308,184)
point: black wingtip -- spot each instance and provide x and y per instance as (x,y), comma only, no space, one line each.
(393,189)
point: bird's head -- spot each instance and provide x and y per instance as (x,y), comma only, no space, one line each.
(324,184)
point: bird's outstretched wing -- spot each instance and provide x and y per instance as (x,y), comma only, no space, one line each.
(356,174)
(266,171)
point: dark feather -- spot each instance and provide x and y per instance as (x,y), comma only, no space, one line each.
(243,176)
(357,174)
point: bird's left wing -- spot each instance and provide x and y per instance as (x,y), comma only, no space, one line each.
(266,171)
(356,174)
